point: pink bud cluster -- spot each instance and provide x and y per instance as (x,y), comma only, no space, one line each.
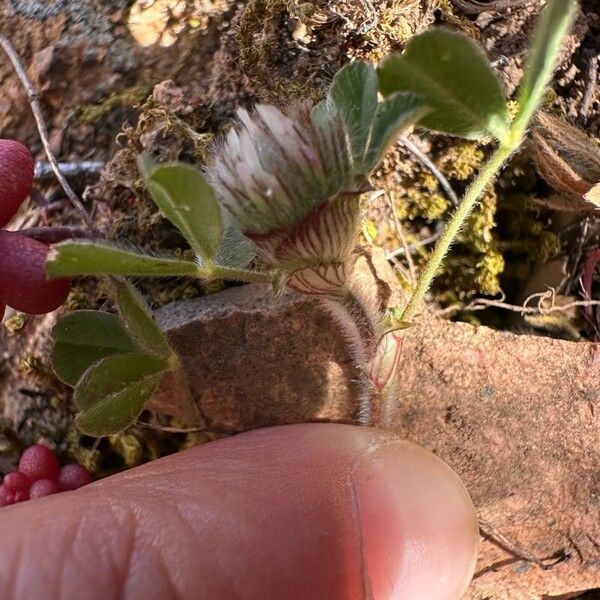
(40,474)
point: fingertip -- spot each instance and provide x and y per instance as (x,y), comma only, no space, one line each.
(419,527)
(327,511)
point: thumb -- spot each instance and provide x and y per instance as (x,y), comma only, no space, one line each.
(302,511)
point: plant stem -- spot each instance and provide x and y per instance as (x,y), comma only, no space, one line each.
(485,177)
(231,273)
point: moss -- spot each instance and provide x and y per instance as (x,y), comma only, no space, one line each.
(79,299)
(253,30)
(465,276)
(268,53)
(422,199)
(395,24)
(479,230)
(134,216)
(33,366)
(129,97)
(488,271)
(461,161)
(129,447)
(16,323)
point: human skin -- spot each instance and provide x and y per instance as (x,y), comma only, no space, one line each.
(303,511)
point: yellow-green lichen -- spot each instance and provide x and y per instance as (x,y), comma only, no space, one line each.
(461,161)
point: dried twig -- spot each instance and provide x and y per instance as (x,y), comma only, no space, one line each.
(53,235)
(34,102)
(524,309)
(400,233)
(489,532)
(166,429)
(427,162)
(582,238)
(450,193)
(409,259)
(413,247)
(85,170)
(372,19)
(590,88)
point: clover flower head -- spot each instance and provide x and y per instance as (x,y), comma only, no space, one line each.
(289,184)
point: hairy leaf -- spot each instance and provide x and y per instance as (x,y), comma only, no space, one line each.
(454,79)
(139,322)
(236,249)
(394,114)
(86,257)
(83,338)
(189,202)
(113,392)
(354,94)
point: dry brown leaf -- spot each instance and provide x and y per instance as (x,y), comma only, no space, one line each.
(569,161)
(593,195)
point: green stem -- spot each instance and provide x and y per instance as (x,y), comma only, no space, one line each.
(485,177)
(231,273)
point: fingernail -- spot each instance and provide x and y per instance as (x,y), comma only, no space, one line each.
(418,525)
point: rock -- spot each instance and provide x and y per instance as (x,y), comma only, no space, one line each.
(517,417)
(254,360)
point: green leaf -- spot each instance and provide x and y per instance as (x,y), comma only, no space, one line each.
(189,202)
(83,338)
(86,257)
(548,36)
(354,94)
(236,249)
(139,322)
(322,113)
(454,79)
(394,114)
(113,393)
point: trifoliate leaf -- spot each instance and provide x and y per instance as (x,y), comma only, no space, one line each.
(454,79)
(82,339)
(189,202)
(113,392)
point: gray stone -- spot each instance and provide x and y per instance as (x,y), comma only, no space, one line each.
(253,360)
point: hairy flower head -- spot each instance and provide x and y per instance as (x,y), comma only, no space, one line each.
(289,183)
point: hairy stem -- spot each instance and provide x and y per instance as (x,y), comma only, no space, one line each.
(359,319)
(232,273)
(487,174)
